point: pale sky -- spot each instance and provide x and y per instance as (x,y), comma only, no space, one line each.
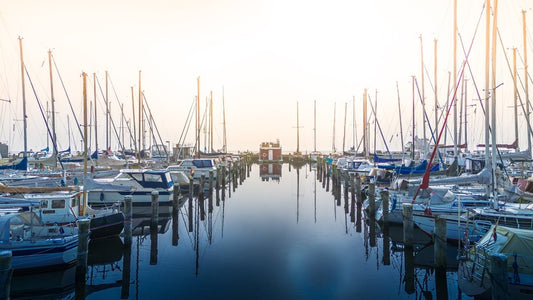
(267,54)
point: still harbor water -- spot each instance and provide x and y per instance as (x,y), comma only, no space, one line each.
(280,233)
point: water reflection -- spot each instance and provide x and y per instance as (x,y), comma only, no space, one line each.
(249,246)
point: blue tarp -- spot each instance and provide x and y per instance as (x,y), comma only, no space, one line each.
(22,165)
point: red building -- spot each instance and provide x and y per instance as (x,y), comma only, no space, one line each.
(270,152)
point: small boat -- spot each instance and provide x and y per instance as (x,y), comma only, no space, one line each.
(34,244)
(61,208)
(137,183)
(474,274)
(196,167)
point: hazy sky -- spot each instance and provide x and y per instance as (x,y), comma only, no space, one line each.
(266,54)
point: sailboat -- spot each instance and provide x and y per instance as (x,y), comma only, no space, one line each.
(297,158)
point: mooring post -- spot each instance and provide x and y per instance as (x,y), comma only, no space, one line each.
(385,205)
(176,195)
(155,206)
(211,184)
(128,214)
(440,242)
(358,189)
(499,281)
(217,184)
(408,224)
(223,177)
(372,198)
(83,243)
(6,273)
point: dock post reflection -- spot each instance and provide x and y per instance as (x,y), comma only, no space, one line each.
(385,206)
(81,267)
(6,272)
(175,210)
(358,194)
(153,242)
(126,263)
(409,270)
(211,185)
(441,284)
(201,199)
(372,199)
(128,214)
(358,218)
(155,207)
(385,227)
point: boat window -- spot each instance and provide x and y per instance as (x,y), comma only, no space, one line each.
(153,177)
(137,176)
(58,203)
(74,202)
(44,203)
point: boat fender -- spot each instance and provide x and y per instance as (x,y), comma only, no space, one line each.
(427,211)
(101,196)
(394,201)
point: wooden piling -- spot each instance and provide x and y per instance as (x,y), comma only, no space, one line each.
(499,281)
(223,174)
(155,206)
(372,198)
(408,225)
(6,273)
(385,205)
(128,214)
(440,242)
(211,184)
(217,185)
(358,189)
(82,254)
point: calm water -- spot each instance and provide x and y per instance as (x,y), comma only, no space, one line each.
(267,239)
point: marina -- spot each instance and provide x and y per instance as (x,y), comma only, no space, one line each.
(191,169)
(296,239)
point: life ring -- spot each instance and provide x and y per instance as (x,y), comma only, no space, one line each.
(264,155)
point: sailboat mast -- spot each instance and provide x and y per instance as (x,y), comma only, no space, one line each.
(400,115)
(487,82)
(515,97)
(334,113)
(314,128)
(435,84)
(95,116)
(413,141)
(466,113)
(24,121)
(365,136)
(526,80)
(224,121)
(297,130)
(107,113)
(198,118)
(52,100)
(344,134)
(84,140)
(140,119)
(423,94)
(494,150)
(455,150)
(211,122)
(134,126)
(375,119)
(354,127)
